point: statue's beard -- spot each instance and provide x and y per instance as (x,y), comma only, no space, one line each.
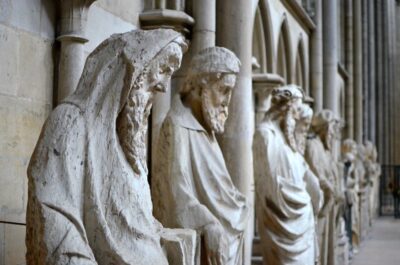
(328,141)
(301,137)
(214,117)
(132,129)
(289,130)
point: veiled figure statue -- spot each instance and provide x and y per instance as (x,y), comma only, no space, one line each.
(191,186)
(321,161)
(89,199)
(287,192)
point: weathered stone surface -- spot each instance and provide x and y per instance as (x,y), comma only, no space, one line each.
(192,187)
(89,200)
(285,203)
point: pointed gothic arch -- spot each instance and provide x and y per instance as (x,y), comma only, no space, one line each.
(284,53)
(300,66)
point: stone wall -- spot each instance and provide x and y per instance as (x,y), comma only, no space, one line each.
(28,53)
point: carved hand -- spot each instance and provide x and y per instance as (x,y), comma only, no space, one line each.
(329,198)
(216,244)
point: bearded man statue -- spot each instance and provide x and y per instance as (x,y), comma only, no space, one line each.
(321,161)
(287,192)
(191,185)
(89,199)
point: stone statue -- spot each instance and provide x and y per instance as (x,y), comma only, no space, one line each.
(89,199)
(191,186)
(312,183)
(349,156)
(342,237)
(322,163)
(374,171)
(364,190)
(286,190)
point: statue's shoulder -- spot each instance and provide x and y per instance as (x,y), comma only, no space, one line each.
(63,120)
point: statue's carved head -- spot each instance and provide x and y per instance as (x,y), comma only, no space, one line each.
(371,152)
(286,107)
(349,150)
(324,124)
(210,80)
(362,154)
(305,115)
(132,120)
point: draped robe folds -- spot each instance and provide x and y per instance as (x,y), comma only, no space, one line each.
(86,204)
(283,205)
(324,167)
(191,186)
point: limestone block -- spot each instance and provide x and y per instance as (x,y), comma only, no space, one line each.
(12,244)
(27,65)
(22,121)
(9,60)
(35,16)
(35,68)
(119,9)
(102,24)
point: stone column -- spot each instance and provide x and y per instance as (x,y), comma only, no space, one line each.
(330,58)
(159,16)
(204,29)
(393,62)
(234,31)
(316,59)
(365,67)
(72,23)
(397,88)
(371,72)
(357,55)
(349,104)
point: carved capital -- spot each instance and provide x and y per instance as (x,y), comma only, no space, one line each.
(73,18)
(263,85)
(167,18)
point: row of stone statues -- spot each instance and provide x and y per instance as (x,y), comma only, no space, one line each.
(90,201)
(312,206)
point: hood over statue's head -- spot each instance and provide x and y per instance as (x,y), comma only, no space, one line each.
(114,65)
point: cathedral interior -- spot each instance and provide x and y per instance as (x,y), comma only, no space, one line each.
(305,170)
